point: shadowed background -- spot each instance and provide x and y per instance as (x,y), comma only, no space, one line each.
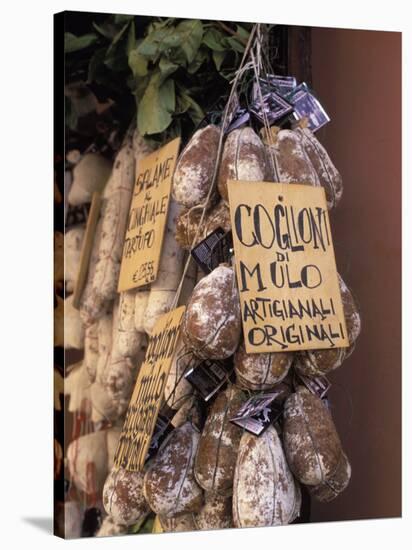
(357,76)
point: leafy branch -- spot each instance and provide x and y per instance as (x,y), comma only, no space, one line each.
(174,70)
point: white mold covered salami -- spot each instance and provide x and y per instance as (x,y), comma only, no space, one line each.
(77,388)
(194,169)
(127,337)
(116,201)
(73,240)
(329,177)
(163,289)
(216,513)
(312,444)
(123,497)
(291,163)
(335,484)
(264,492)
(321,362)
(73,326)
(87,312)
(212,323)
(219,443)
(178,524)
(140,305)
(91,350)
(170,487)
(261,371)
(188,231)
(115,376)
(89,175)
(90,458)
(244,158)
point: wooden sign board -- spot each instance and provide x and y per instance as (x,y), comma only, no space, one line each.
(148,393)
(286,269)
(92,219)
(147,217)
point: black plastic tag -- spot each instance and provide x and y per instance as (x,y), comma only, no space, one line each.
(282,85)
(305,104)
(216,249)
(258,413)
(240,117)
(273,108)
(77,214)
(209,376)
(162,429)
(318,386)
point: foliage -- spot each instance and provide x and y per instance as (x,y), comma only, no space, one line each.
(174,70)
(143,528)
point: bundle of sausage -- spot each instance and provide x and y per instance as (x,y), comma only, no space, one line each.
(209,473)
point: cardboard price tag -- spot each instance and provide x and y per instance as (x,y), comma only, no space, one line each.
(286,269)
(148,393)
(147,217)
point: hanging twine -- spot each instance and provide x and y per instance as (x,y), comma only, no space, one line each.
(241,70)
(252,60)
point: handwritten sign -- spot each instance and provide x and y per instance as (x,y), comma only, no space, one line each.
(148,393)
(147,217)
(286,269)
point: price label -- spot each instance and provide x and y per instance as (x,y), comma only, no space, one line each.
(147,217)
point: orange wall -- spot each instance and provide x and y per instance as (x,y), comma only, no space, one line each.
(357,76)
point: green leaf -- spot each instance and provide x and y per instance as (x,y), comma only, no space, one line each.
(167,67)
(234,44)
(191,34)
(74,43)
(157,105)
(105,31)
(119,18)
(96,64)
(147,526)
(213,40)
(115,58)
(182,105)
(218,58)
(116,39)
(176,56)
(137,63)
(186,103)
(195,112)
(201,56)
(172,39)
(163,23)
(242,32)
(155,42)
(140,86)
(131,38)
(142,526)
